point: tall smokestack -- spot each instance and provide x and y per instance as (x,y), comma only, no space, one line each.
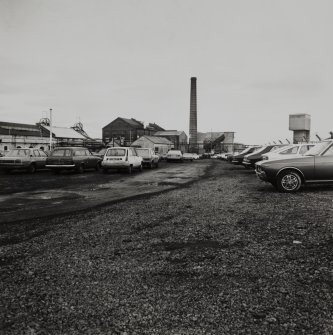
(193,142)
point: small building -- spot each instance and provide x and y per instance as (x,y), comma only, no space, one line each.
(160,145)
(300,124)
(177,137)
(21,135)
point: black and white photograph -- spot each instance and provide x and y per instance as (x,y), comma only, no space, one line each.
(166,167)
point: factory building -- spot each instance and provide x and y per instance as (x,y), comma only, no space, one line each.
(126,131)
(177,137)
(160,145)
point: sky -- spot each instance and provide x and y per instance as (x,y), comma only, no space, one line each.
(256,62)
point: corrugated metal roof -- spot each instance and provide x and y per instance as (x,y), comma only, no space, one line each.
(19,129)
(63,132)
(132,122)
(169,133)
(155,140)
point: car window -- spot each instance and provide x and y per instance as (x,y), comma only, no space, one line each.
(61,153)
(80,152)
(290,151)
(116,152)
(42,153)
(329,151)
(88,152)
(304,149)
(36,153)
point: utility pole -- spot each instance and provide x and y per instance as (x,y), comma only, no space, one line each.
(50,129)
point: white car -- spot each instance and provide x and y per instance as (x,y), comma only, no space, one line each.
(121,158)
(291,151)
(174,155)
(188,156)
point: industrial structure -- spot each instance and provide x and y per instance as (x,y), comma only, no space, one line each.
(160,145)
(193,131)
(300,124)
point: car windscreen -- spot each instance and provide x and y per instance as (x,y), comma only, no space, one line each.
(18,153)
(61,153)
(116,152)
(317,149)
(143,152)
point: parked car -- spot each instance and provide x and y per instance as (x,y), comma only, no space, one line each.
(174,155)
(238,158)
(250,159)
(29,159)
(290,151)
(288,175)
(196,156)
(122,158)
(149,158)
(72,158)
(100,153)
(187,156)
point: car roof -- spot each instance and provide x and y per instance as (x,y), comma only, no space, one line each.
(73,148)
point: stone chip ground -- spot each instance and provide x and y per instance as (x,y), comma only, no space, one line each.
(224,255)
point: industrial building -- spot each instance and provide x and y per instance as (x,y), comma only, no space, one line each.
(160,145)
(177,137)
(127,131)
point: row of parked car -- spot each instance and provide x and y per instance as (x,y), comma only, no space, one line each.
(80,159)
(288,167)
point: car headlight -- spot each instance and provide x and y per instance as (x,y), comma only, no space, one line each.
(265,158)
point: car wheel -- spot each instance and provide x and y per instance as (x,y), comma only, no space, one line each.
(151,165)
(140,168)
(156,165)
(32,168)
(129,169)
(98,166)
(105,170)
(289,181)
(80,168)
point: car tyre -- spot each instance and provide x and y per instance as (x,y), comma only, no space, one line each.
(129,169)
(98,166)
(32,168)
(105,170)
(289,181)
(140,168)
(80,168)
(156,165)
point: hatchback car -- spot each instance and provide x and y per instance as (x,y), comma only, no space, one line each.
(288,175)
(238,158)
(290,151)
(122,158)
(72,158)
(28,159)
(250,160)
(149,158)
(174,155)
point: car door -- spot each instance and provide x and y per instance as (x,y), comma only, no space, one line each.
(43,157)
(324,165)
(91,159)
(36,158)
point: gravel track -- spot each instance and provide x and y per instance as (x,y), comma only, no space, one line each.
(224,255)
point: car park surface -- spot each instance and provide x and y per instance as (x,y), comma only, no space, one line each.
(217,254)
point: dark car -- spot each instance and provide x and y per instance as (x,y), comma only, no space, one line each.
(29,159)
(250,160)
(238,159)
(288,175)
(72,158)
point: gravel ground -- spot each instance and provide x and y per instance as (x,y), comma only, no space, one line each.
(224,255)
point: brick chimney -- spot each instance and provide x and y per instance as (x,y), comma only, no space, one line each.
(193,141)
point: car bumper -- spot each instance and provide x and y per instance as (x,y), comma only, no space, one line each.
(60,166)
(237,161)
(13,166)
(115,164)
